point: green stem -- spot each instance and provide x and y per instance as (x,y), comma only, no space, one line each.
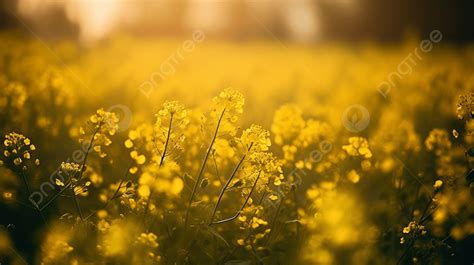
(241,208)
(413,240)
(249,223)
(81,173)
(76,202)
(83,168)
(25,181)
(223,190)
(274,222)
(162,160)
(297,218)
(201,171)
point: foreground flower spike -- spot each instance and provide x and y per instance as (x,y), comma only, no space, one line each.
(18,148)
(103,125)
(162,174)
(227,106)
(256,139)
(231,101)
(105,120)
(17,152)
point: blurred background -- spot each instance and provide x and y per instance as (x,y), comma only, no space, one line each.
(296,20)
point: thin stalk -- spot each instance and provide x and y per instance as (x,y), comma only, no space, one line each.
(87,153)
(243,205)
(413,240)
(274,222)
(56,195)
(25,181)
(162,160)
(76,202)
(217,169)
(81,173)
(249,223)
(223,190)
(201,171)
(297,217)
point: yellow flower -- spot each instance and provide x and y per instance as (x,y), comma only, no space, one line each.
(128,143)
(438,184)
(240,242)
(353,176)
(273,197)
(257,222)
(406,230)
(140,159)
(17,161)
(133,170)
(59,183)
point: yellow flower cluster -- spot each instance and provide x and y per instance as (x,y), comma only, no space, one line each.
(174,109)
(231,102)
(203,185)
(103,124)
(287,124)
(148,239)
(256,139)
(413,228)
(71,169)
(358,146)
(18,148)
(105,121)
(269,167)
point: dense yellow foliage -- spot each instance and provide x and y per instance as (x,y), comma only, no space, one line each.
(137,152)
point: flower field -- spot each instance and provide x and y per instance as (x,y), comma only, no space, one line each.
(170,151)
